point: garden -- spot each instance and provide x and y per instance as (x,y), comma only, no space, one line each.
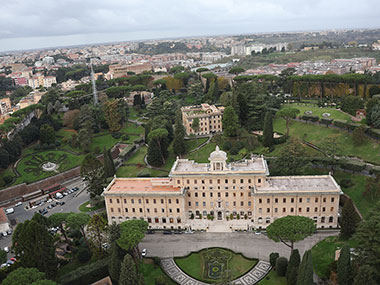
(215,264)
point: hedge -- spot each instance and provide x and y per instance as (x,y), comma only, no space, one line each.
(310,118)
(340,124)
(281,139)
(375,133)
(352,165)
(327,121)
(281,265)
(374,170)
(87,274)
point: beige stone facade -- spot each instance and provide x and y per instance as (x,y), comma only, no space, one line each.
(210,119)
(239,195)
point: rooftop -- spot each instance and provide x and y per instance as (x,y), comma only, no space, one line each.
(319,183)
(3,216)
(139,185)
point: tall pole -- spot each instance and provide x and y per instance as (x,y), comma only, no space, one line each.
(96,101)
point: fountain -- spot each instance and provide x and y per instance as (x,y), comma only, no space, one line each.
(49,166)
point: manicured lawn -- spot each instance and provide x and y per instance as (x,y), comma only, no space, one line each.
(131,128)
(202,154)
(151,272)
(194,143)
(323,254)
(368,151)
(30,166)
(132,171)
(195,264)
(138,156)
(272,279)
(335,114)
(84,208)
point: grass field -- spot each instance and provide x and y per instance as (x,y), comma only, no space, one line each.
(84,208)
(202,154)
(273,279)
(194,143)
(335,114)
(323,254)
(368,151)
(193,265)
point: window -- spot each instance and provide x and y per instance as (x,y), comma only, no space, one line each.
(203,182)
(332,209)
(218,181)
(211,194)
(219,194)
(249,203)
(307,209)
(291,210)
(234,203)
(189,204)
(300,210)
(111,210)
(316,209)
(125,201)
(308,200)
(332,199)
(141,210)
(292,200)
(268,210)
(260,210)
(177,201)
(195,181)
(300,200)
(147,201)
(178,181)
(226,194)
(210,181)
(110,200)
(188,194)
(132,201)
(323,209)
(283,210)
(324,200)
(226,181)
(260,201)
(139,201)
(117,201)
(133,210)
(234,181)
(162,201)
(249,180)
(196,204)
(284,200)
(156,220)
(276,200)
(323,219)
(187,181)
(203,194)
(259,180)
(331,219)
(268,200)
(196,194)
(234,194)
(178,210)
(242,203)
(164,220)
(275,210)
(162,210)
(316,200)
(148,210)
(155,210)
(170,210)
(126,210)
(241,194)
(204,204)
(149,220)
(241,180)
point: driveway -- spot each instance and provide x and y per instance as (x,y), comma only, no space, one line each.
(249,244)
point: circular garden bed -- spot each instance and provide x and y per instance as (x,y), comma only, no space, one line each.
(215,264)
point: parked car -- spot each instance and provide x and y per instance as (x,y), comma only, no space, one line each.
(167,232)
(4,234)
(58,195)
(6,249)
(150,232)
(143,252)
(9,211)
(188,231)
(61,203)
(18,204)
(9,232)
(178,232)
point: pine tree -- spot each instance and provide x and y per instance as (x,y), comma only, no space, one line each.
(366,275)
(128,273)
(158,147)
(344,266)
(268,140)
(349,220)
(291,272)
(241,107)
(305,271)
(256,111)
(179,146)
(115,262)
(106,163)
(111,162)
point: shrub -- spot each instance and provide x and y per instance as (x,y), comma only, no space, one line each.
(238,216)
(239,145)
(52,146)
(37,147)
(57,143)
(281,139)
(63,262)
(97,149)
(156,260)
(346,183)
(192,216)
(340,124)
(8,179)
(353,165)
(45,146)
(116,135)
(75,249)
(125,137)
(161,280)
(326,121)
(374,170)
(375,133)
(281,266)
(227,145)
(272,258)
(310,118)
(84,255)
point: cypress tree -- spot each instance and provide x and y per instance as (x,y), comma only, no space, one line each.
(107,164)
(128,273)
(309,271)
(268,140)
(179,146)
(349,220)
(292,270)
(115,263)
(241,107)
(301,270)
(154,155)
(344,266)
(111,162)
(256,111)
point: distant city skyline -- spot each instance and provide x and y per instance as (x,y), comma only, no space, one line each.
(38,24)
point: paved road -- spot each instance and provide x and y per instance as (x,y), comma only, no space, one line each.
(72,204)
(250,244)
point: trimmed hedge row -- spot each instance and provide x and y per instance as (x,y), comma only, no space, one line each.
(87,274)
(353,165)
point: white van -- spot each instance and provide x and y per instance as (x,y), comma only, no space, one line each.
(58,195)
(9,211)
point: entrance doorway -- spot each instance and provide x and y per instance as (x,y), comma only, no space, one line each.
(220,216)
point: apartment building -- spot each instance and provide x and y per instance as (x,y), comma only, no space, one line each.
(45,81)
(209,117)
(232,196)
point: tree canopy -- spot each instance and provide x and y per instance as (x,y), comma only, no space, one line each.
(290,229)
(287,114)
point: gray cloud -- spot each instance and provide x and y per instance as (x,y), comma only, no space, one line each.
(28,24)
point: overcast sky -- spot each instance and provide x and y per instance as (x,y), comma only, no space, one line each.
(27,24)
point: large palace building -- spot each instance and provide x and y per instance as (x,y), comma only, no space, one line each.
(221,196)
(210,119)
